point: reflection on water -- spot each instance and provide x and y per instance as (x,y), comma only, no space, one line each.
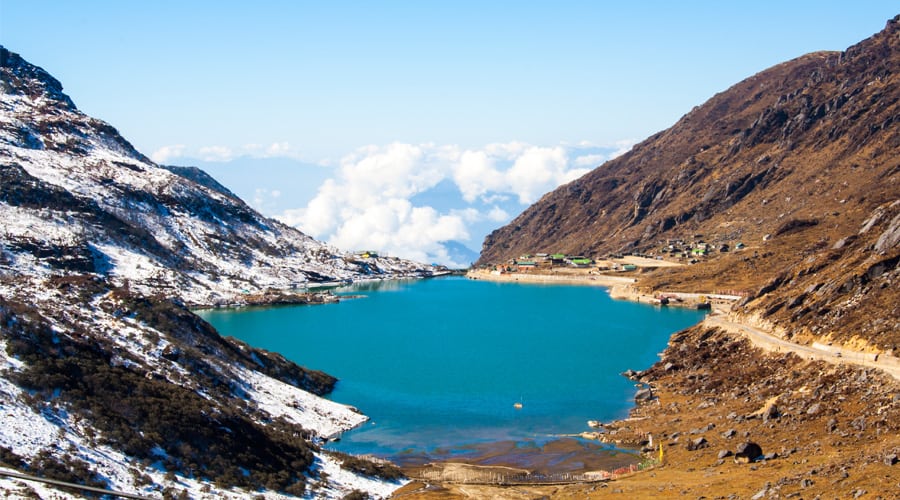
(374,286)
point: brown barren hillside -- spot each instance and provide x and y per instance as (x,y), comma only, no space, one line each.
(800,163)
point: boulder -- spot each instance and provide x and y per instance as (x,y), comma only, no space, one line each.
(723,454)
(747,452)
(698,443)
(643,395)
(771,411)
(890,459)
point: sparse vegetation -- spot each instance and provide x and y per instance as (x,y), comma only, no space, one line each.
(149,418)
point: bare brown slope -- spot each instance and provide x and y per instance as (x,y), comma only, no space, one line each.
(804,139)
(800,162)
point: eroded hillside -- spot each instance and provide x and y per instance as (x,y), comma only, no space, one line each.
(799,164)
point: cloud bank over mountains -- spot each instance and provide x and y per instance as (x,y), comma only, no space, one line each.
(417,201)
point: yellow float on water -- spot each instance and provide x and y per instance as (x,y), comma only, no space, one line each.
(517,406)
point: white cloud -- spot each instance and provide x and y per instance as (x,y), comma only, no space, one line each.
(277,149)
(166,153)
(497,214)
(623,147)
(368,203)
(216,153)
(590,160)
(264,199)
(220,153)
(476,173)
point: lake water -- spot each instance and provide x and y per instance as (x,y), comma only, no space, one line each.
(438,364)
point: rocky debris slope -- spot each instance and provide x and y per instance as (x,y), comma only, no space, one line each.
(820,428)
(106,378)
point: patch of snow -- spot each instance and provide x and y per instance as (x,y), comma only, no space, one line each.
(341,481)
(325,418)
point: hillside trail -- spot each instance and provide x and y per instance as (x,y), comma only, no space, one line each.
(836,355)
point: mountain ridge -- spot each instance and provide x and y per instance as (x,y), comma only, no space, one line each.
(170,221)
(754,124)
(791,162)
(106,377)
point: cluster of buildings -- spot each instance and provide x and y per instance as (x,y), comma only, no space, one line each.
(677,248)
(698,248)
(543,261)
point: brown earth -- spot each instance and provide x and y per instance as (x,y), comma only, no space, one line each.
(834,429)
(800,163)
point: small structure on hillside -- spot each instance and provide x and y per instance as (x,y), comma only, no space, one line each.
(579,261)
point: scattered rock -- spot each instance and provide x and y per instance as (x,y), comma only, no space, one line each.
(806,483)
(698,443)
(890,459)
(770,456)
(643,395)
(770,412)
(760,494)
(730,433)
(724,453)
(814,409)
(747,452)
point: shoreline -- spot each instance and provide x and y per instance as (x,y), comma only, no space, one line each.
(620,288)
(603,280)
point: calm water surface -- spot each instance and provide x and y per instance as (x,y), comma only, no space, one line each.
(438,364)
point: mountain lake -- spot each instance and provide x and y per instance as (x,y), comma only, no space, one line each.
(449,367)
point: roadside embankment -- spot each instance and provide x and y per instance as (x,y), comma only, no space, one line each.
(815,351)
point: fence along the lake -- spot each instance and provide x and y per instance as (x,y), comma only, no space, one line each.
(462,474)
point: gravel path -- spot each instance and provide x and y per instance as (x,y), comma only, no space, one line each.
(831,354)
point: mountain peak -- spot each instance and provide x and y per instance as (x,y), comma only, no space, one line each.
(108,209)
(23,78)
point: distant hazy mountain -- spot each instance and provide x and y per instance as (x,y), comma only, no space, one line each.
(460,253)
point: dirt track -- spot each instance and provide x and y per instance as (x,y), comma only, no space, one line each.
(769,342)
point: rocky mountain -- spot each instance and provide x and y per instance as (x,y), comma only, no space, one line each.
(106,378)
(80,195)
(800,163)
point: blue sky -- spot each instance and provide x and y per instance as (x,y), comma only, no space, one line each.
(443,95)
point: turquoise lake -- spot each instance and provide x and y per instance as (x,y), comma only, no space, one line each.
(438,364)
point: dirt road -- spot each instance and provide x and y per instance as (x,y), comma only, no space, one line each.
(831,354)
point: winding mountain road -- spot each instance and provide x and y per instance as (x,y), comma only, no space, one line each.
(831,354)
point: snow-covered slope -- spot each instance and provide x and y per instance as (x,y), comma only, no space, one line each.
(105,376)
(165,232)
